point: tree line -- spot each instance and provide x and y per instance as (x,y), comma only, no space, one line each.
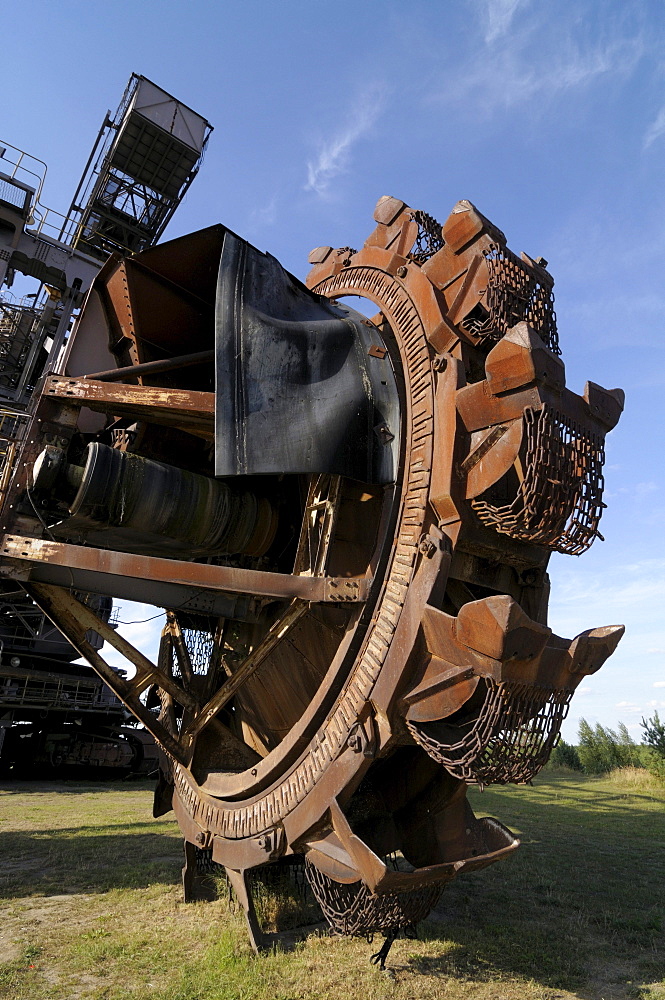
(601,749)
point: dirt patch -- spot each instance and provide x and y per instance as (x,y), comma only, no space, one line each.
(21,920)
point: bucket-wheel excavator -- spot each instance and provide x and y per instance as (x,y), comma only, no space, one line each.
(348,521)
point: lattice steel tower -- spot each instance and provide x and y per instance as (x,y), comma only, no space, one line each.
(144,159)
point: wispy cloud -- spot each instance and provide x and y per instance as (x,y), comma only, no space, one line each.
(631,592)
(334,154)
(497,16)
(637,587)
(530,72)
(656,129)
(264,215)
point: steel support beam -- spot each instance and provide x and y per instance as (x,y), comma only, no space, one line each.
(185,409)
(102,570)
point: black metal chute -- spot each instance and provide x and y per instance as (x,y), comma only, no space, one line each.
(297,389)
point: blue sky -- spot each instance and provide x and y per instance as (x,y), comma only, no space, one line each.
(550,117)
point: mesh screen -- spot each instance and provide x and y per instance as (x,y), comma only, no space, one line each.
(429,239)
(199,646)
(509,740)
(353,910)
(515,294)
(560,499)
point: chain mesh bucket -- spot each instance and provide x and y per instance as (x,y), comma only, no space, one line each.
(353,910)
(509,740)
(516,294)
(559,501)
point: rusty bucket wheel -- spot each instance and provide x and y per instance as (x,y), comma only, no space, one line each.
(251,792)
(289,790)
(247,790)
(354,908)
(246,813)
(331,693)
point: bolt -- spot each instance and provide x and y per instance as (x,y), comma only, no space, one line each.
(200,838)
(427,546)
(401,271)
(440,363)
(355,742)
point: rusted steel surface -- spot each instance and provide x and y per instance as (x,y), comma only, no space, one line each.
(187,410)
(366,633)
(43,559)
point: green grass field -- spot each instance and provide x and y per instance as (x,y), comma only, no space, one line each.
(91,907)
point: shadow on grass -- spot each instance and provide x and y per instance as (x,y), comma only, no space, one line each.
(48,862)
(609,802)
(483,951)
(580,907)
(585,961)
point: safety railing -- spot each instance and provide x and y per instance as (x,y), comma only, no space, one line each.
(26,689)
(18,165)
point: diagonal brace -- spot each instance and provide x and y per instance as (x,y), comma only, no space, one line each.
(74,620)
